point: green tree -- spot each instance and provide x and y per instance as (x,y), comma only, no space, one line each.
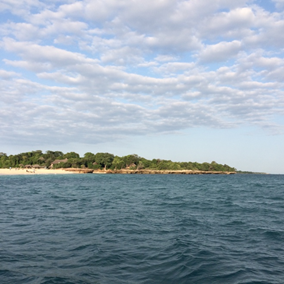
(71,155)
(145,162)
(89,156)
(205,167)
(52,155)
(140,166)
(3,157)
(118,163)
(131,159)
(104,159)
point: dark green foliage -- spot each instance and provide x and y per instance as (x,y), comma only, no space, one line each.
(90,156)
(96,167)
(52,154)
(168,165)
(118,163)
(146,163)
(131,159)
(103,161)
(71,155)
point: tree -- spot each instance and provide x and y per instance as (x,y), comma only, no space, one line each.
(89,156)
(104,159)
(140,165)
(118,163)
(205,167)
(52,154)
(71,155)
(131,159)
(145,162)
(48,162)
(62,165)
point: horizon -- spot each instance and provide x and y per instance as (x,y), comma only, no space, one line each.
(176,80)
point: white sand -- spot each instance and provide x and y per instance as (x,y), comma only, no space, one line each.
(14,171)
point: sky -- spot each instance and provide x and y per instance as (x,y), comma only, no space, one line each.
(193,80)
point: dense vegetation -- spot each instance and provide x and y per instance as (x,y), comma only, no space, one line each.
(57,159)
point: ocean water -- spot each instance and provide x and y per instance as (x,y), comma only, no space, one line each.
(142,229)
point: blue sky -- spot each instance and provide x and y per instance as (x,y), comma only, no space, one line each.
(188,80)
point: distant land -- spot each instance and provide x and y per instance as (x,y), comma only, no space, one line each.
(248,172)
(106,162)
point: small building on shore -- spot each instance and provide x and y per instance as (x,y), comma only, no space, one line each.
(36,167)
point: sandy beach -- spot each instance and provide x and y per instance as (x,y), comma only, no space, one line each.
(15,171)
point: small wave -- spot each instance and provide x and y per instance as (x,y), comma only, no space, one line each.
(62,280)
(274,235)
(85,231)
(142,229)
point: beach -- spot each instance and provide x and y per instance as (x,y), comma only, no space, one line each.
(17,171)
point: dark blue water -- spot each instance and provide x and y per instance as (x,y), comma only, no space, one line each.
(142,229)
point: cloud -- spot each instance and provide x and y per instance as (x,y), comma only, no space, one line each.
(8,75)
(122,56)
(163,58)
(174,67)
(279,3)
(97,70)
(235,23)
(20,7)
(50,54)
(221,51)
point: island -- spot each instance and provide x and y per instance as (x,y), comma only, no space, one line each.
(104,163)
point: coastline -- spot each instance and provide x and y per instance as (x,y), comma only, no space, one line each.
(17,171)
(163,172)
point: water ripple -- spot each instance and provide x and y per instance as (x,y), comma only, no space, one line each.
(141,229)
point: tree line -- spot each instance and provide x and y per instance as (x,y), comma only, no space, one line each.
(55,159)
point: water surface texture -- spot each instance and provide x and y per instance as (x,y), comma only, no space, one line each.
(142,229)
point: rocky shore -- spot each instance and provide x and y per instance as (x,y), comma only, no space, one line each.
(151,172)
(166,172)
(78,170)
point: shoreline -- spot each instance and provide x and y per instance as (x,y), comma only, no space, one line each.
(154,172)
(17,171)
(167,172)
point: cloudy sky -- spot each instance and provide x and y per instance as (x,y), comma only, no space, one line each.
(194,80)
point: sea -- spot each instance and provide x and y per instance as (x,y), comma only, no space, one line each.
(91,228)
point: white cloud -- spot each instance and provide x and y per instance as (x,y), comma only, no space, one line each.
(110,69)
(279,3)
(162,58)
(122,56)
(50,54)
(20,7)
(74,10)
(221,51)
(235,23)
(175,67)
(8,75)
